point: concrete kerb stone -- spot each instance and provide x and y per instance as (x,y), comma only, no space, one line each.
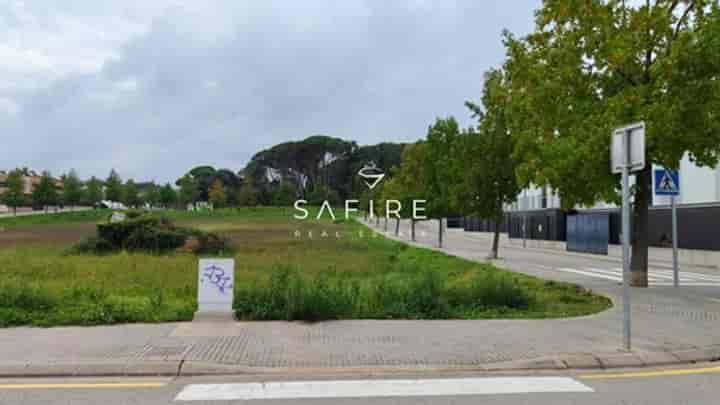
(578,361)
(36,369)
(543,363)
(194,368)
(100,369)
(581,361)
(89,369)
(698,355)
(153,368)
(620,360)
(13,369)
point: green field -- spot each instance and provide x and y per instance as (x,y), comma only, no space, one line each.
(343,271)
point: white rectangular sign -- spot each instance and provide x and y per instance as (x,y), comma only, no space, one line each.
(636,132)
(216,278)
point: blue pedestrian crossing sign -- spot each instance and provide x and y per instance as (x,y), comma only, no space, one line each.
(667,182)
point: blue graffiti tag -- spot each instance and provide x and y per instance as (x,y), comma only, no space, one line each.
(216,276)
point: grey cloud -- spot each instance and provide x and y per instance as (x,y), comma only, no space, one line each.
(214,82)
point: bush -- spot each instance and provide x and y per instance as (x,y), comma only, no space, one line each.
(142,231)
(92,244)
(211,243)
(154,239)
(117,233)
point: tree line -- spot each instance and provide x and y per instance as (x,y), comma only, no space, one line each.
(70,191)
(548,111)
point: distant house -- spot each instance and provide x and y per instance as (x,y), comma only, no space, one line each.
(3,181)
(30,180)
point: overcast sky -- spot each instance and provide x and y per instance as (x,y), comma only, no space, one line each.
(155,87)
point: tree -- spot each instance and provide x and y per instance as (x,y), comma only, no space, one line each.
(14,196)
(216,194)
(72,189)
(591,66)
(168,196)
(486,159)
(94,191)
(248,195)
(392,190)
(152,195)
(203,177)
(45,193)
(114,187)
(131,196)
(188,190)
(285,195)
(439,169)
(411,178)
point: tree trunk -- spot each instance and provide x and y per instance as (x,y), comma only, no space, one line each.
(386,223)
(14,211)
(412,229)
(440,232)
(639,228)
(496,238)
(397,226)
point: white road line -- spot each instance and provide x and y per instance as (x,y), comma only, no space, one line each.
(655,279)
(688,284)
(688,274)
(653,274)
(379,388)
(618,273)
(588,273)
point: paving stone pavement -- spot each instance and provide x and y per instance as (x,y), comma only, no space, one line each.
(665,321)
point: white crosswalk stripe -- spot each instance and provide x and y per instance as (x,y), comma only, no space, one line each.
(656,277)
(380,388)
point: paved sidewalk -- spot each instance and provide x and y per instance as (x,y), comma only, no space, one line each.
(670,326)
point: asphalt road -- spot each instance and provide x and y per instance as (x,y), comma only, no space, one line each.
(698,386)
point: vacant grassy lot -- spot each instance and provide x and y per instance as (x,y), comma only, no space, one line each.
(285,269)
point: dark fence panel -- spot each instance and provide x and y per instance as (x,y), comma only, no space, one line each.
(588,233)
(548,224)
(698,227)
(473,224)
(455,221)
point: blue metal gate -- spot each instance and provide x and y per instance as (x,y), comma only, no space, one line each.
(588,233)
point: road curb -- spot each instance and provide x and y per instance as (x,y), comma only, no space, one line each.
(564,362)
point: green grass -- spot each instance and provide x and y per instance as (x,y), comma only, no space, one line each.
(54,218)
(278,276)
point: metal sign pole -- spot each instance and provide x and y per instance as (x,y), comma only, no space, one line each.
(626,240)
(676,271)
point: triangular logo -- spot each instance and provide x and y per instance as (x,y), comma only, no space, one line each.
(667,183)
(372,175)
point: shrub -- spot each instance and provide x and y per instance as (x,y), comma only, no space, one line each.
(92,244)
(117,233)
(211,243)
(142,231)
(154,239)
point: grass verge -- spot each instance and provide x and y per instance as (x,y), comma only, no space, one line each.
(285,269)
